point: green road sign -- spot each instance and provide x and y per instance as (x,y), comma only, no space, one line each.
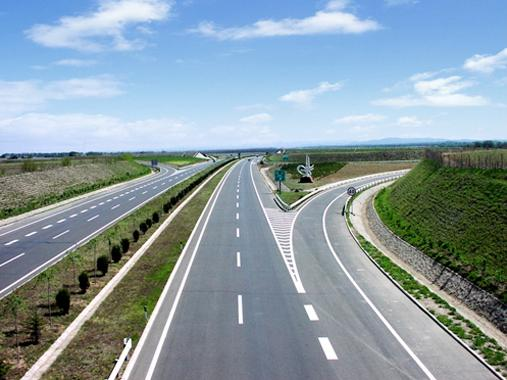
(279,175)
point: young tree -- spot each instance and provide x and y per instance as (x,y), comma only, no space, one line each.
(47,276)
(75,259)
(34,325)
(14,305)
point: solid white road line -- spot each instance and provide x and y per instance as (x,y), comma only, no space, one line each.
(93,217)
(327,348)
(63,233)
(237,216)
(31,234)
(73,216)
(237,232)
(12,259)
(115,206)
(312,315)
(368,301)
(238,259)
(240,309)
(61,221)
(11,242)
(48,226)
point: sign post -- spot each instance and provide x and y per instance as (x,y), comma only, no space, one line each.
(279,177)
(351,191)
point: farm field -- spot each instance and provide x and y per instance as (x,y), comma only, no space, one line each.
(41,183)
(456,216)
(177,161)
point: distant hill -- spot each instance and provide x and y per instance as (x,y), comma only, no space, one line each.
(457,216)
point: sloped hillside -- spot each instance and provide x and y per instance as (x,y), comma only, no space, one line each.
(457,216)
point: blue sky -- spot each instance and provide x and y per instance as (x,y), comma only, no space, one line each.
(160,74)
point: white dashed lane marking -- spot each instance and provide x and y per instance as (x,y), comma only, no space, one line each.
(61,234)
(12,259)
(327,348)
(11,242)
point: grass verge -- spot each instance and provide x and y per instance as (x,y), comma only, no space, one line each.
(178,161)
(290,197)
(18,351)
(92,352)
(466,330)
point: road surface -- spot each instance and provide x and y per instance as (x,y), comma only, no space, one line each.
(242,303)
(31,244)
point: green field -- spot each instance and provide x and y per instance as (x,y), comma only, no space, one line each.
(178,161)
(457,216)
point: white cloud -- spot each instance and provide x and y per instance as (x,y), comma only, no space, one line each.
(332,20)
(75,62)
(257,118)
(440,92)
(487,63)
(358,119)
(23,96)
(84,132)
(102,29)
(306,97)
(411,121)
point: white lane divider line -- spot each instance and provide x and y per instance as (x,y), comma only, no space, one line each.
(61,234)
(154,187)
(386,323)
(109,200)
(12,259)
(11,242)
(31,234)
(163,183)
(237,204)
(115,206)
(237,196)
(101,203)
(121,195)
(238,259)
(48,226)
(240,309)
(237,190)
(144,192)
(83,211)
(237,232)
(327,348)
(312,314)
(61,221)
(131,199)
(93,217)
(73,216)
(237,216)
(115,197)
(92,207)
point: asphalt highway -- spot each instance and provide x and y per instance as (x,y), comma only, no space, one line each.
(262,294)
(33,243)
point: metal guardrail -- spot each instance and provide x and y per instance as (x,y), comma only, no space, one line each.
(124,356)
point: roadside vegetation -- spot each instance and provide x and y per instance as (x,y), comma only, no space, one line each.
(456,216)
(31,184)
(82,273)
(177,161)
(464,329)
(290,197)
(92,352)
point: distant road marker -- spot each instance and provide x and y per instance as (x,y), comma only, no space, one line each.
(238,259)
(240,309)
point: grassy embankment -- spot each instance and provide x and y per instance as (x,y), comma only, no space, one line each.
(177,161)
(466,330)
(18,350)
(457,216)
(99,342)
(37,183)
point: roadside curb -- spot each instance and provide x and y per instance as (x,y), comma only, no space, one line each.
(414,301)
(50,356)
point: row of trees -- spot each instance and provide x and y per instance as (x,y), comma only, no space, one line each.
(472,159)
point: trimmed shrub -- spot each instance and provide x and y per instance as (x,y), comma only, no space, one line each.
(135,235)
(143,227)
(148,222)
(84,282)
(173,201)
(155,217)
(125,245)
(63,300)
(167,207)
(103,264)
(34,326)
(116,253)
